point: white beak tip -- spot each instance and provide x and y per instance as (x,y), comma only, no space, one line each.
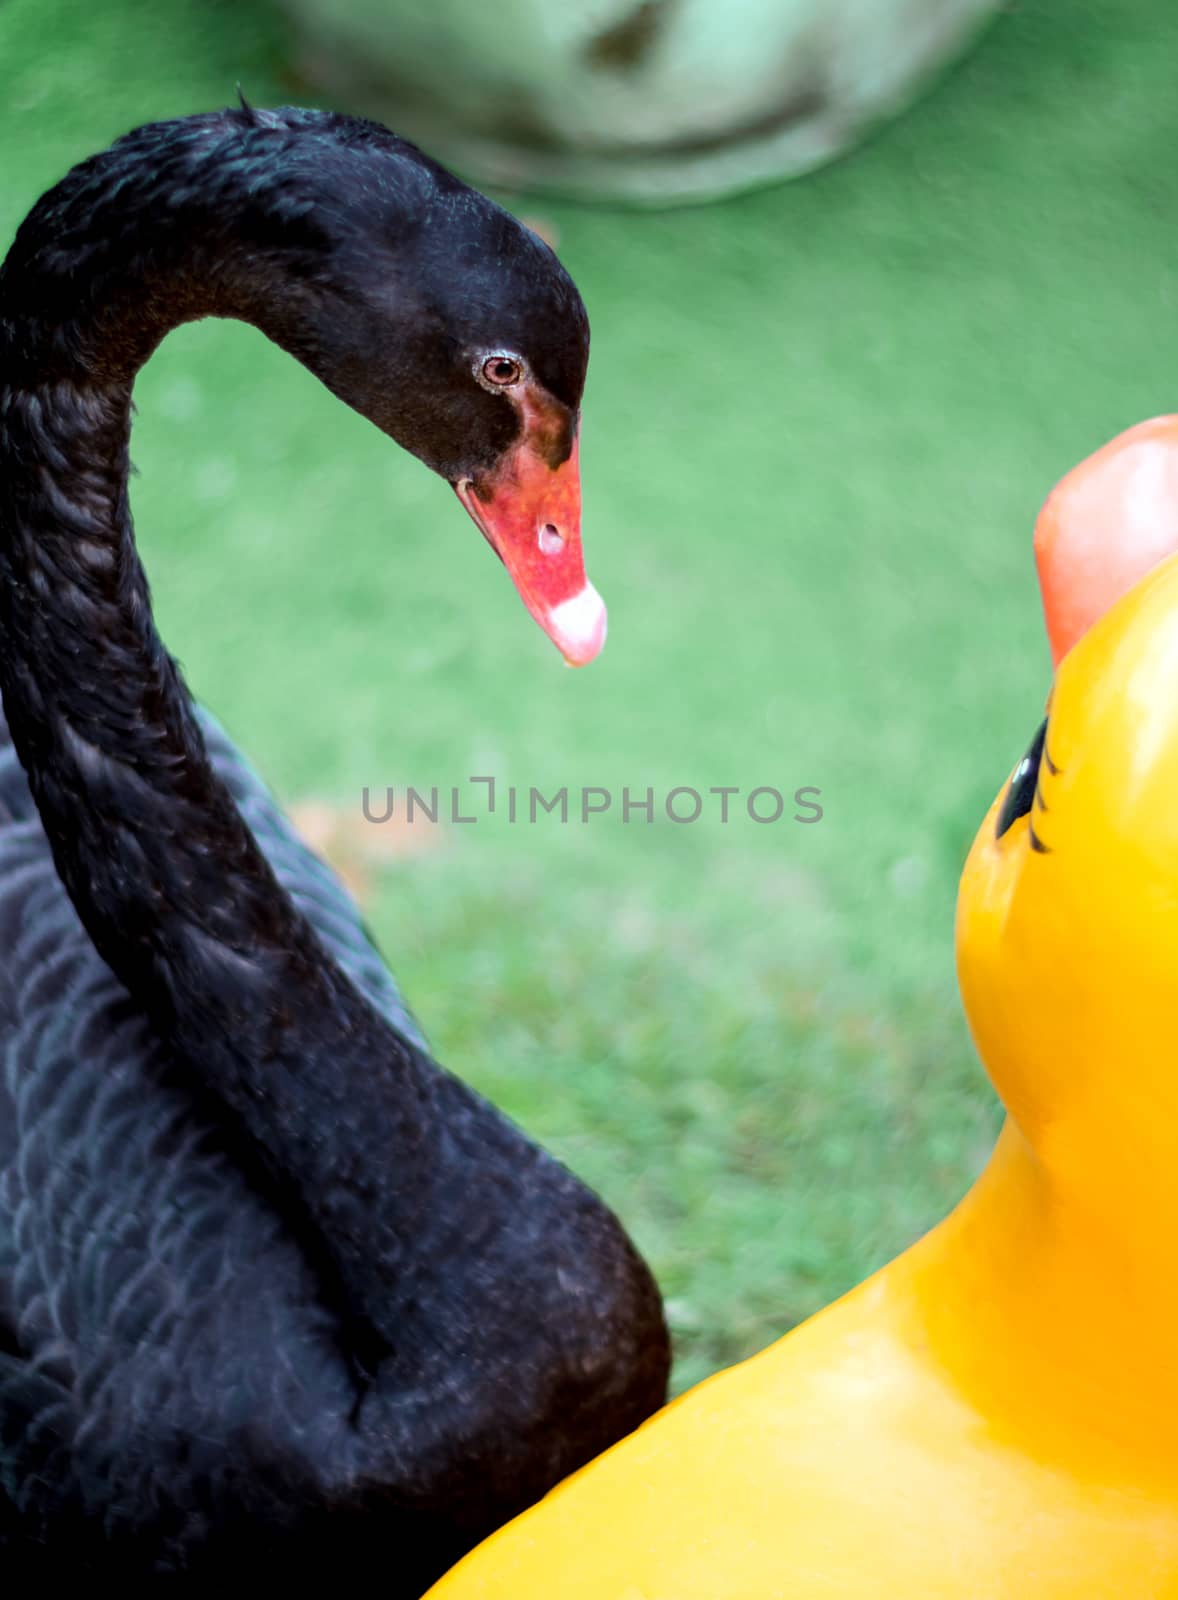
(578,626)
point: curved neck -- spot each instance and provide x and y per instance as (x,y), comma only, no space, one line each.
(166,876)
(1053,1316)
(163,871)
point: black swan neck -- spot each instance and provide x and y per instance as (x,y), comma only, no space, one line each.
(162,868)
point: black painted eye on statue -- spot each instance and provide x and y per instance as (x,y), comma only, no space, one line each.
(1020,795)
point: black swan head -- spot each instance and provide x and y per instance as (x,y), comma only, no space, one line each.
(415,299)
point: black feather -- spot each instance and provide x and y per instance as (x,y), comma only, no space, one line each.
(251,114)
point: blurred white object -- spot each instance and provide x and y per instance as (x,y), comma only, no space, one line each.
(651,101)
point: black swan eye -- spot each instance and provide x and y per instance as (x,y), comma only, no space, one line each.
(502,371)
(1021,793)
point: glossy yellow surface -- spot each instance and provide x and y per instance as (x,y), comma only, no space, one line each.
(992,1415)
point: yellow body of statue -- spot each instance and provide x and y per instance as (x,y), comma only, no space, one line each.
(992,1416)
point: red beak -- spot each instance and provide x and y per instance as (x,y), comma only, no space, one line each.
(530,515)
(1104,526)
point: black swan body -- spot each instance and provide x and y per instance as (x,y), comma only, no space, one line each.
(279,1297)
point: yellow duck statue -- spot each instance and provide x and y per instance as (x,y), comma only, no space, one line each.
(988,1417)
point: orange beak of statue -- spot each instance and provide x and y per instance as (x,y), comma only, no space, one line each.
(1104,526)
(529,512)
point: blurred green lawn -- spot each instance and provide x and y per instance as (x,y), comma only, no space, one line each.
(819,423)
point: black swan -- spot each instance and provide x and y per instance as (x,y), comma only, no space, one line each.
(279,1298)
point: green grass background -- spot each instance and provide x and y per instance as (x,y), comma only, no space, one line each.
(819,423)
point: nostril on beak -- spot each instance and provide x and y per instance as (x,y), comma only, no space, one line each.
(551,539)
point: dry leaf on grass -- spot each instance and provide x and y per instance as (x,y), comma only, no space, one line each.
(355,848)
(543,229)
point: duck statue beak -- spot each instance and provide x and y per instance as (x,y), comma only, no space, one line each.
(1105,525)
